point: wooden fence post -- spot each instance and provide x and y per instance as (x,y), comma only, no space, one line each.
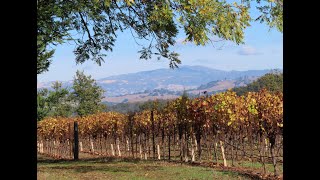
(76,142)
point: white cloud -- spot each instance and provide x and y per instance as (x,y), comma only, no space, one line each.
(248,50)
(204,61)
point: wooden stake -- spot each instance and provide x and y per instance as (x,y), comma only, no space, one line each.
(140,151)
(192,154)
(119,150)
(112,150)
(92,148)
(223,155)
(158,148)
(195,142)
(80,144)
(128,145)
(41,147)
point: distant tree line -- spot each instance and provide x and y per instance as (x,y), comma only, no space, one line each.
(134,106)
(271,81)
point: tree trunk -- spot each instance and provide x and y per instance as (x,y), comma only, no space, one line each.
(145,147)
(163,145)
(215,145)
(187,143)
(100,141)
(232,144)
(185,148)
(140,151)
(274,160)
(137,144)
(273,154)
(106,145)
(266,146)
(140,146)
(149,150)
(181,149)
(251,148)
(198,137)
(132,149)
(262,153)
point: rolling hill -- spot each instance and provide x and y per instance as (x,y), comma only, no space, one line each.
(172,80)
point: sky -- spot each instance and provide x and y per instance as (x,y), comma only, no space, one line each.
(263,49)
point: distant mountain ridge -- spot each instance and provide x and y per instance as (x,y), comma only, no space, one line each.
(211,88)
(183,78)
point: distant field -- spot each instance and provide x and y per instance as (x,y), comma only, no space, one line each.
(137,170)
(138,97)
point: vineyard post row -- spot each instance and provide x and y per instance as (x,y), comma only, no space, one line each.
(223,127)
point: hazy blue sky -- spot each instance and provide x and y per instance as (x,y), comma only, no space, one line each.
(262,50)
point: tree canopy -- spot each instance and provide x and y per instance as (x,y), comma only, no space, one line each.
(94,24)
(271,81)
(54,103)
(87,94)
(83,98)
